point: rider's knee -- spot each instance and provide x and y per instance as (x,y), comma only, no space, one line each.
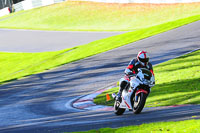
(123,83)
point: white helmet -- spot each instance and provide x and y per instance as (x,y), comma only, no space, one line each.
(143,58)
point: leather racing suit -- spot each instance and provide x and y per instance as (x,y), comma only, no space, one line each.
(132,70)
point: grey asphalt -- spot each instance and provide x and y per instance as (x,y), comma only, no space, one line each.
(41,41)
(38,103)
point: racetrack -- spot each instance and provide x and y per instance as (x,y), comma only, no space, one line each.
(38,103)
(41,41)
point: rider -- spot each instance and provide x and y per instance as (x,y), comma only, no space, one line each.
(142,61)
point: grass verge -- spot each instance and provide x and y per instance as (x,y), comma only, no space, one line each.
(177,82)
(188,126)
(17,65)
(92,16)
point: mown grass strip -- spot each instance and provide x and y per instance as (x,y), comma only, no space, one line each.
(93,16)
(188,126)
(17,65)
(177,82)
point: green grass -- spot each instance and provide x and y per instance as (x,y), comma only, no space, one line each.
(17,65)
(188,126)
(151,20)
(145,19)
(177,82)
(91,16)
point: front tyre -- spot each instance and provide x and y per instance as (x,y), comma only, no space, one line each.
(117,109)
(139,105)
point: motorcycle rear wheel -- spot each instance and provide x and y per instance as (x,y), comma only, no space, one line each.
(139,105)
(117,109)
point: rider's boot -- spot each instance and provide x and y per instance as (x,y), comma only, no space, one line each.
(119,94)
(118,97)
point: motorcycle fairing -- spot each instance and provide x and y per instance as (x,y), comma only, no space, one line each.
(126,99)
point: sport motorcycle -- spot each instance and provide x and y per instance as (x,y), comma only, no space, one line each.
(134,95)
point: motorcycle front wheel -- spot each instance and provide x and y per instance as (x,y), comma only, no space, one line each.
(139,105)
(117,109)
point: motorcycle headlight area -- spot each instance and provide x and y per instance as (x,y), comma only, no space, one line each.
(146,82)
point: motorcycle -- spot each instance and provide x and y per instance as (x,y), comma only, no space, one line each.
(134,95)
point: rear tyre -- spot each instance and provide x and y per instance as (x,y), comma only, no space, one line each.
(139,105)
(117,109)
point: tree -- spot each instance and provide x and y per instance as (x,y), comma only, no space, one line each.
(5,3)
(16,1)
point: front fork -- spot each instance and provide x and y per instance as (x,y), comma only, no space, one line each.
(136,98)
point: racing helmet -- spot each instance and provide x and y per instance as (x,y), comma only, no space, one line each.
(143,58)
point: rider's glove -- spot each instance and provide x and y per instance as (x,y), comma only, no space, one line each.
(129,73)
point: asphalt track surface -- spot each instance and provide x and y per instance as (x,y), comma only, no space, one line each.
(41,41)
(41,102)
